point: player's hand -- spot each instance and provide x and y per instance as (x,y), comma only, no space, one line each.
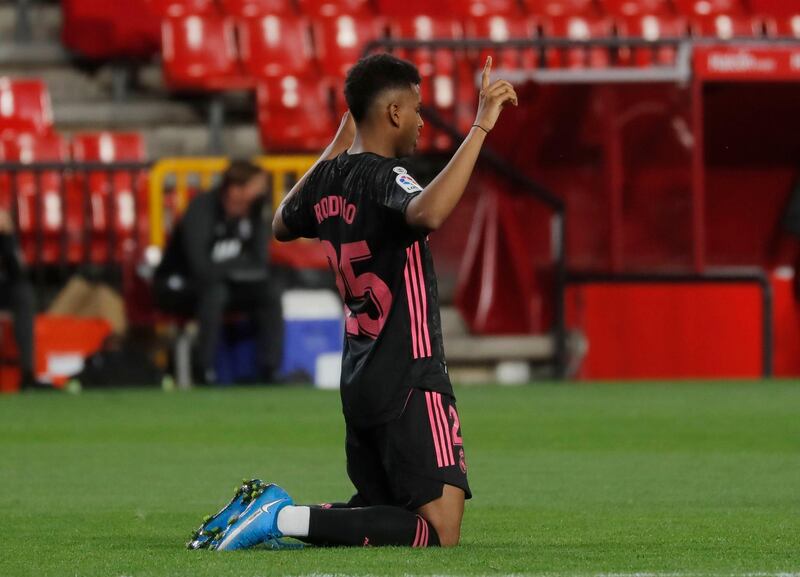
(6,223)
(493,98)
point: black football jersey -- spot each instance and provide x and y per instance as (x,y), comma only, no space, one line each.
(355,204)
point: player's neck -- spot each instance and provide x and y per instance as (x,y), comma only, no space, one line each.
(365,141)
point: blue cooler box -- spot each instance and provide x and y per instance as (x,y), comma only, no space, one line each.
(314,326)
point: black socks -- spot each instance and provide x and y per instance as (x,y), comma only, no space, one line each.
(365,526)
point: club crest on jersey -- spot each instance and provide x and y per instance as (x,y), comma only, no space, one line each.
(407,183)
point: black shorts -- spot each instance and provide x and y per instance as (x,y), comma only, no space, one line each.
(406,462)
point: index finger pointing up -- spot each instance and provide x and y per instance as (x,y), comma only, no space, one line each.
(487,69)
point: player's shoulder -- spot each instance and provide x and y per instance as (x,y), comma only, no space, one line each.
(397,173)
(319,178)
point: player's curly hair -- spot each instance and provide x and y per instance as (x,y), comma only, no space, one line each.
(371,76)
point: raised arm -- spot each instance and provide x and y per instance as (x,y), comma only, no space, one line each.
(341,142)
(435,203)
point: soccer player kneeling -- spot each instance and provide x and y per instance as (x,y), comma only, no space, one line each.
(405,454)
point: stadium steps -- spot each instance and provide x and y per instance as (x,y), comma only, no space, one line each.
(67,84)
(117,116)
(45,21)
(83,98)
(475,359)
(26,58)
(192,140)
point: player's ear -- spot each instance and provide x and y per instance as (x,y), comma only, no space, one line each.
(394,114)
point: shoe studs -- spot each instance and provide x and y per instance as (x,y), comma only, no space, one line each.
(204,538)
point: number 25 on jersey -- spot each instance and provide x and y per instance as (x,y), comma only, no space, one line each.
(367,298)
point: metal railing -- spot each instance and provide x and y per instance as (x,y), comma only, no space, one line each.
(180,175)
(57,206)
(621,56)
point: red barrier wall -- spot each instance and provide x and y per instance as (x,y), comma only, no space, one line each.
(682,330)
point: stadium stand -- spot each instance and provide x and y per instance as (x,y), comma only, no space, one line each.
(257,8)
(425,27)
(39,196)
(331,8)
(117,198)
(107,30)
(500,29)
(580,29)
(724,19)
(200,53)
(24,107)
(285,106)
(179,8)
(276,46)
(231,44)
(625,8)
(340,41)
(560,8)
(607,147)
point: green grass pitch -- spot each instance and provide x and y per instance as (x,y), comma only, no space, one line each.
(678,479)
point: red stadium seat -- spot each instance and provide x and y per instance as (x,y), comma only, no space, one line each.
(784,26)
(330,8)
(499,29)
(725,26)
(485,8)
(702,8)
(723,19)
(276,46)
(340,41)
(782,18)
(108,147)
(294,114)
(179,8)
(448,8)
(24,107)
(652,28)
(776,8)
(200,53)
(560,8)
(425,28)
(99,29)
(579,29)
(403,10)
(121,192)
(632,8)
(40,198)
(254,8)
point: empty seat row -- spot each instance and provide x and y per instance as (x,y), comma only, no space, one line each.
(466,8)
(132,28)
(75,216)
(298,64)
(209,52)
(24,106)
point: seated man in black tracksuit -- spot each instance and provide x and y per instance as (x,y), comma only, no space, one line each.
(16,295)
(216,261)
